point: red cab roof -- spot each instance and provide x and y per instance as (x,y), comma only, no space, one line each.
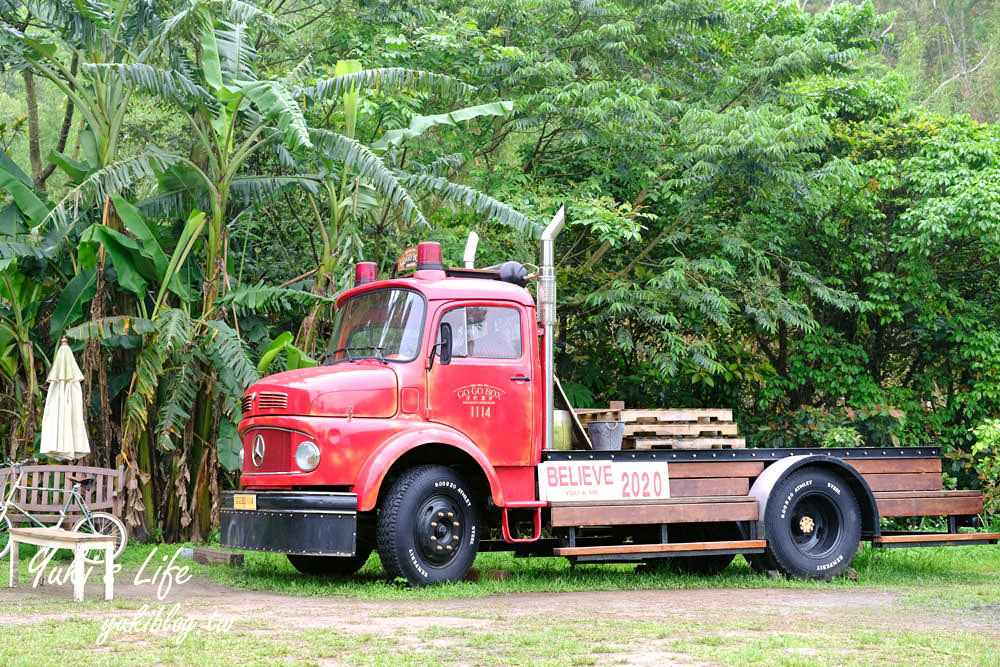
(434,285)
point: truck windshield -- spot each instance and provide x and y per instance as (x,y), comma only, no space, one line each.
(384,324)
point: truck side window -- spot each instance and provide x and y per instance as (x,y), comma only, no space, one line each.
(485,332)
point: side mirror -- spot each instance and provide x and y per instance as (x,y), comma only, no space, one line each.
(445,337)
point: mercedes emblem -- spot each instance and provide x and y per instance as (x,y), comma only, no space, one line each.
(257,455)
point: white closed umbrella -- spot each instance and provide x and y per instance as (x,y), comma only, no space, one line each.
(64,435)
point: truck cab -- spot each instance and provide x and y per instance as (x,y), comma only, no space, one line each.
(437,373)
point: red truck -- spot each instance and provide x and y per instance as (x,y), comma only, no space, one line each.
(427,434)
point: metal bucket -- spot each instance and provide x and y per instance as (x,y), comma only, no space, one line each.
(606,435)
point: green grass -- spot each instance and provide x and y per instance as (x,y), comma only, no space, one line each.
(899,568)
(524,641)
(948,589)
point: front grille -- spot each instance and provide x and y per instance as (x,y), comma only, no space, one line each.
(272,400)
(277,450)
(247,403)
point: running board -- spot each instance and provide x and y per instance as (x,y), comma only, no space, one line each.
(933,540)
(631,552)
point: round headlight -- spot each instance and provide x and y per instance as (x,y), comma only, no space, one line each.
(241,459)
(307,456)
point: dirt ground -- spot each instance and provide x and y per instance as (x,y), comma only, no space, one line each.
(791,609)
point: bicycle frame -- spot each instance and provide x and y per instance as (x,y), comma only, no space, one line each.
(74,495)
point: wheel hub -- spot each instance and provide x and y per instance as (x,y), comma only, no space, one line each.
(438,529)
(815,525)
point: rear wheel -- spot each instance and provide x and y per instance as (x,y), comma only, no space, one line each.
(812,524)
(99,523)
(428,529)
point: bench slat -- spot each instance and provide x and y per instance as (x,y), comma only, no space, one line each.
(929,503)
(710,486)
(904,482)
(745,509)
(883,466)
(693,469)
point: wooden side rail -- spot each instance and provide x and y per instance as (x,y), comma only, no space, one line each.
(102,496)
(676,510)
(734,546)
(929,503)
(934,540)
(692,479)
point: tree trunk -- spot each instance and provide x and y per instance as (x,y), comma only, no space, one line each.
(34,150)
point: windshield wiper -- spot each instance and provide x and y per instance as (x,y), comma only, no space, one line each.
(347,350)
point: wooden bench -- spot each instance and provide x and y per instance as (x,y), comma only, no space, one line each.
(102,496)
(78,543)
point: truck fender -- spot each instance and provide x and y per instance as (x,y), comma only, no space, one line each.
(762,487)
(374,470)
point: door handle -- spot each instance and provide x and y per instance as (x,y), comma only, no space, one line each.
(519,378)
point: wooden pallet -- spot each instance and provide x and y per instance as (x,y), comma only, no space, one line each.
(674,428)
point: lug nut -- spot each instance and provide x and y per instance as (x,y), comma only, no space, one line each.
(440,549)
(454,537)
(451,514)
(441,515)
(434,524)
(433,537)
(448,547)
(455,524)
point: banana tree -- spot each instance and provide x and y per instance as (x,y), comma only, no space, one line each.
(30,280)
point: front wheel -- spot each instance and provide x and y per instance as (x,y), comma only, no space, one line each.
(428,529)
(99,523)
(4,536)
(812,524)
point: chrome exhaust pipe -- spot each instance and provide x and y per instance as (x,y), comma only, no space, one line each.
(469,255)
(547,313)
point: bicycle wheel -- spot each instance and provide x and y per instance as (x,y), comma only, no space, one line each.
(4,536)
(100,523)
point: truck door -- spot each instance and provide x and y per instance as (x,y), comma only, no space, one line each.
(486,390)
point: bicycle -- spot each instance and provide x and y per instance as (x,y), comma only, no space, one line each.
(97,523)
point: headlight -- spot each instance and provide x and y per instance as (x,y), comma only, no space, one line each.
(241,458)
(307,456)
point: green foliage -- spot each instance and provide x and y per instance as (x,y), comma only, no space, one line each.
(985,460)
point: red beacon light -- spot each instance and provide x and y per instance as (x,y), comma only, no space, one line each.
(429,256)
(365,272)
(430,261)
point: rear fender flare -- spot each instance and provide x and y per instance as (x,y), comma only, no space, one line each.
(378,464)
(765,483)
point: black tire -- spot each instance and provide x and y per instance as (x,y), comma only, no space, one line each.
(428,529)
(812,524)
(330,566)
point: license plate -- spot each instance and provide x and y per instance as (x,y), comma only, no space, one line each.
(244,501)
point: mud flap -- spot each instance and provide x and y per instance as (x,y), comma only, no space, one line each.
(315,524)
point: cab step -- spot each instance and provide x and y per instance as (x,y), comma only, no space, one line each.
(933,540)
(634,552)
